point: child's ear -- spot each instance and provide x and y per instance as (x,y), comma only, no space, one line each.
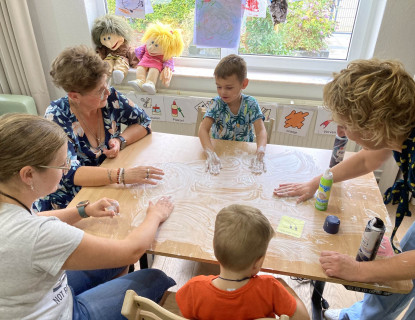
(245,83)
(258,264)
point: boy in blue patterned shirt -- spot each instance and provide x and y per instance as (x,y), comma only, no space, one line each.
(233,115)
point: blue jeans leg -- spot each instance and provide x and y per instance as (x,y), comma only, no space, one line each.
(105,301)
(83,280)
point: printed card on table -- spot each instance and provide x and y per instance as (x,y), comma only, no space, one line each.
(291,226)
(324,122)
(181,109)
(295,120)
(153,105)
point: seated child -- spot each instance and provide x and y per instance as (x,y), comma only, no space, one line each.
(241,238)
(233,115)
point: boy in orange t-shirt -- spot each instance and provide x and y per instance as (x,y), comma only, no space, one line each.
(242,235)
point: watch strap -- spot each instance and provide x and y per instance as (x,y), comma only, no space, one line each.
(123,143)
(82,212)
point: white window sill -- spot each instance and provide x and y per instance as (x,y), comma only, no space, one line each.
(278,86)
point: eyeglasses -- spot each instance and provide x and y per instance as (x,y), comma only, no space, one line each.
(103,90)
(65,168)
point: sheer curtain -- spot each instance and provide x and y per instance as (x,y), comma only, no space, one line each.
(20,65)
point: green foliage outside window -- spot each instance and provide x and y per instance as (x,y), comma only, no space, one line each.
(309,23)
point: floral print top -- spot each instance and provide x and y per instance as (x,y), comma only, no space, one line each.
(229,126)
(119,110)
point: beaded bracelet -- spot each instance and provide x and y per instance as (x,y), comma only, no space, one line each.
(118,175)
(109,171)
(123,176)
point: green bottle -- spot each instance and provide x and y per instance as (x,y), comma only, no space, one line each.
(323,193)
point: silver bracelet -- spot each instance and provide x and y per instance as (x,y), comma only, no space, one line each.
(120,175)
(109,171)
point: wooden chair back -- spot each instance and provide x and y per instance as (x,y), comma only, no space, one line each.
(269,126)
(200,114)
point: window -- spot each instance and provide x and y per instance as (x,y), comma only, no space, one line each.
(318,36)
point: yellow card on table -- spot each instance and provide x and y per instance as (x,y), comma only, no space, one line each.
(291,226)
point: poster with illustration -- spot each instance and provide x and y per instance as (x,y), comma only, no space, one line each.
(153,105)
(133,8)
(295,120)
(269,110)
(256,8)
(325,123)
(218,23)
(181,109)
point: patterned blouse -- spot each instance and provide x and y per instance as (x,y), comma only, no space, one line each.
(400,191)
(119,110)
(229,126)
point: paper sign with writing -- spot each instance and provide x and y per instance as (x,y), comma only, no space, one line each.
(153,105)
(291,226)
(295,120)
(325,123)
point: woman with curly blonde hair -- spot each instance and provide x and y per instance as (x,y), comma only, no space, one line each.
(374,100)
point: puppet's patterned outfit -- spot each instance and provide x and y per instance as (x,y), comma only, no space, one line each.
(229,126)
(148,61)
(389,307)
(119,110)
(121,59)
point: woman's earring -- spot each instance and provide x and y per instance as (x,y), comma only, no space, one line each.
(32,187)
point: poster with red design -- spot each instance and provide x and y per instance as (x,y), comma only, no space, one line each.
(324,122)
(255,8)
(295,120)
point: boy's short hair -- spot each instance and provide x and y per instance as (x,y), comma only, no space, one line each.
(230,65)
(242,234)
(376,97)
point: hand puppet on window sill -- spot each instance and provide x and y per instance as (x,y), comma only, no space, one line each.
(111,35)
(161,43)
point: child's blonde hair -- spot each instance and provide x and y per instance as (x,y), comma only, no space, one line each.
(231,65)
(242,235)
(170,39)
(375,97)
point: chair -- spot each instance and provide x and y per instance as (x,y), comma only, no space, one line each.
(17,103)
(140,308)
(200,114)
(269,126)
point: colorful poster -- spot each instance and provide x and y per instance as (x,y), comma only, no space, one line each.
(153,105)
(131,8)
(324,122)
(269,110)
(256,8)
(218,23)
(181,109)
(295,120)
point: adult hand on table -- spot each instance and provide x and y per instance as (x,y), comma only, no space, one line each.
(104,207)
(304,190)
(340,265)
(114,148)
(161,209)
(143,175)
(257,164)
(213,164)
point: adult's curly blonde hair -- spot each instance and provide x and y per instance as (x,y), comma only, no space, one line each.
(170,39)
(110,24)
(375,98)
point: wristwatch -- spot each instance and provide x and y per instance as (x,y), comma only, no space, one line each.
(81,208)
(123,142)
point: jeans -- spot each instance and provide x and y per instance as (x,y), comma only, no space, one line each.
(93,300)
(385,307)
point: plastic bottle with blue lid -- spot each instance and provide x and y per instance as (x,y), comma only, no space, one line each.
(324,188)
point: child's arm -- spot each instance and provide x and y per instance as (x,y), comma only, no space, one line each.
(213,164)
(257,164)
(301,311)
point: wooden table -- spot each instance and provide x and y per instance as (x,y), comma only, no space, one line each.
(198,196)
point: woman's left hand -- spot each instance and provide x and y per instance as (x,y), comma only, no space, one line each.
(104,207)
(114,148)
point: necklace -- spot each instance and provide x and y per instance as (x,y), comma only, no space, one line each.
(18,201)
(236,280)
(100,144)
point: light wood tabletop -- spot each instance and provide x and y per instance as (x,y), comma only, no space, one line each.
(198,196)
